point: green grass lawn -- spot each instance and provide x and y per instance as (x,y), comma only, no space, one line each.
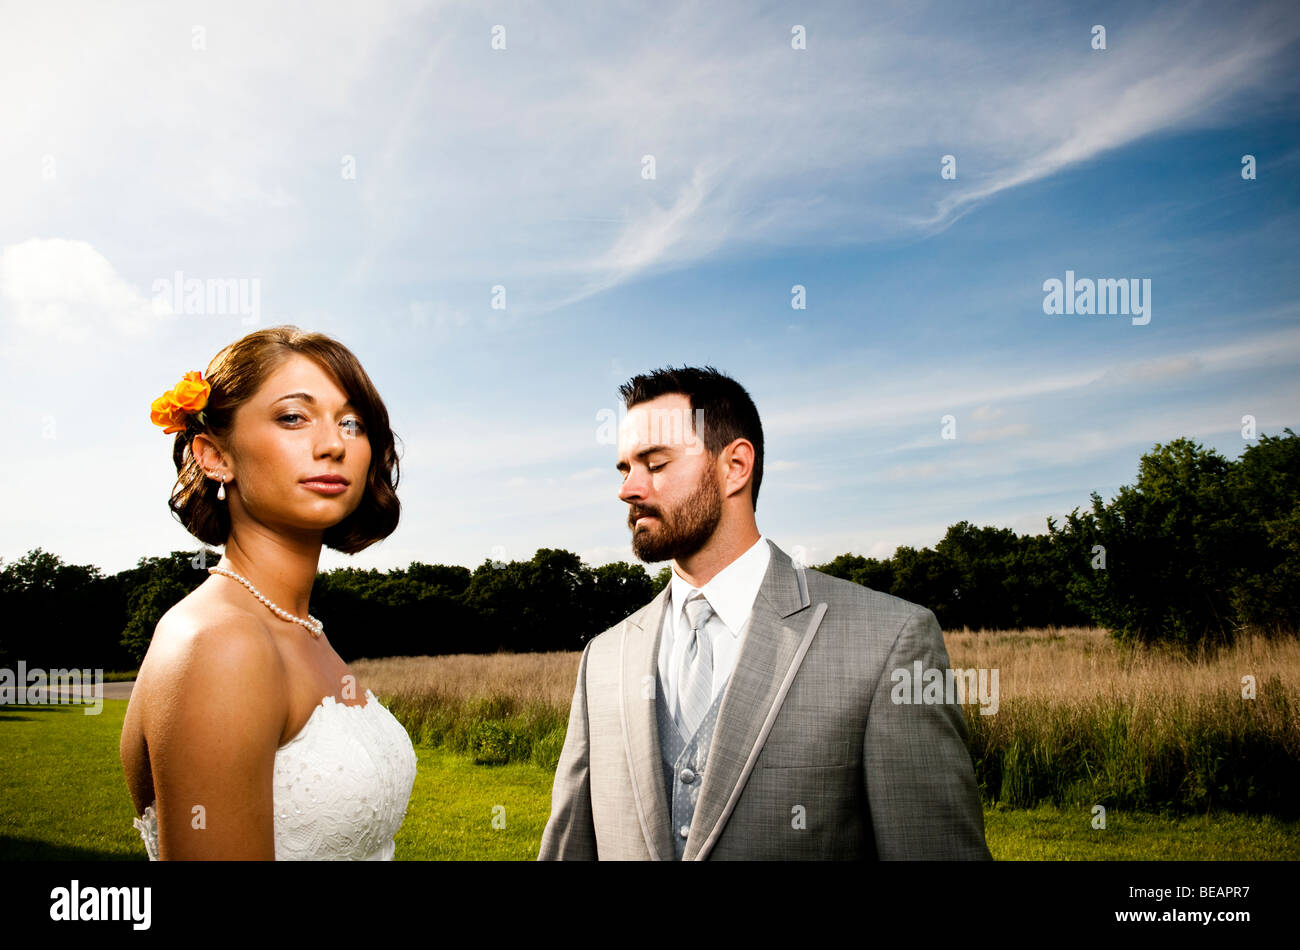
(1052,834)
(62,795)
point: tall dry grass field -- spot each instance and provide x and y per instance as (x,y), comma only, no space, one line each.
(498,707)
(1083,720)
(521,678)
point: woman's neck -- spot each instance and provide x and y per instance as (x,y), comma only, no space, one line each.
(282,568)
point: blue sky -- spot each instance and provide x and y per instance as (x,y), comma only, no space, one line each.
(215,140)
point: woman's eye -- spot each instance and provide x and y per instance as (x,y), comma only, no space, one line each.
(289,415)
(655,468)
(357,423)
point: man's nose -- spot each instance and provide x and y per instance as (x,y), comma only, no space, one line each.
(632,488)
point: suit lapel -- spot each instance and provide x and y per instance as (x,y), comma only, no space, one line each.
(769,657)
(639,682)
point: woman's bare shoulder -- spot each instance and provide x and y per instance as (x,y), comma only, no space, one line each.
(206,650)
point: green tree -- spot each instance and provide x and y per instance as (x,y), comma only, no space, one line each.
(1163,564)
(59,615)
(147,603)
(929,578)
(981,558)
(153,587)
(867,571)
(1265,485)
(619,590)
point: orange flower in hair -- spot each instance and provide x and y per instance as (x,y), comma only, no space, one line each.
(188,397)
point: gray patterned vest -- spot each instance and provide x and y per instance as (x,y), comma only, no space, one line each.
(683,764)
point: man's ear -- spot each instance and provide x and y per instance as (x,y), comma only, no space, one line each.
(739,460)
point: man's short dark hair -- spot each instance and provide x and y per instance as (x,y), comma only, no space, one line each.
(729,412)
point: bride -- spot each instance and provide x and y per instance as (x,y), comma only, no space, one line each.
(244,737)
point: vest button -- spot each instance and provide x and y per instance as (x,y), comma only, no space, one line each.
(684,831)
(687,776)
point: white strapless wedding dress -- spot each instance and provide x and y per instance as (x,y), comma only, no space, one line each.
(341,786)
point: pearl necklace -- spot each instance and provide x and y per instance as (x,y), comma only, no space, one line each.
(312,624)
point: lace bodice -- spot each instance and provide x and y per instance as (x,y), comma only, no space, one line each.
(340,787)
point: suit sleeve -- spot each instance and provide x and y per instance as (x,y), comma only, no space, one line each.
(917,768)
(570,834)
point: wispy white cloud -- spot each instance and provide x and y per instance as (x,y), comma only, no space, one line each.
(65,291)
(906,399)
(1000,433)
(524,165)
(1156,74)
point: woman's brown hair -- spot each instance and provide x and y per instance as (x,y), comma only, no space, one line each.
(235,374)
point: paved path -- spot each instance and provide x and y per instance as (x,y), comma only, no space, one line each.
(111,691)
(118,690)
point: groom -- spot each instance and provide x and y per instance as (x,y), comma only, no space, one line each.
(748,712)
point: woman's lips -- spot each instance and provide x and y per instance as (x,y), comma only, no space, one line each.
(326,488)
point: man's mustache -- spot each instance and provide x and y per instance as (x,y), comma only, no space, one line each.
(640,513)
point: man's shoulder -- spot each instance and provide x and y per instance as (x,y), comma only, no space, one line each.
(863,622)
(841,594)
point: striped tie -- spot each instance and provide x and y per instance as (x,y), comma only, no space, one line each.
(695,680)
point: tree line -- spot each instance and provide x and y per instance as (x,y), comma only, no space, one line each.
(1197,550)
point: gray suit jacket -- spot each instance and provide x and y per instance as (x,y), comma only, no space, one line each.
(810,757)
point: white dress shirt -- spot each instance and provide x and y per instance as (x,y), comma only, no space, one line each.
(731,594)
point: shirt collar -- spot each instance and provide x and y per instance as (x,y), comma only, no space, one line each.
(731,592)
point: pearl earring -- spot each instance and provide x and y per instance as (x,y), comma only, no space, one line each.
(221,492)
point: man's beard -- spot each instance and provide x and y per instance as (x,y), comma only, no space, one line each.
(682,532)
